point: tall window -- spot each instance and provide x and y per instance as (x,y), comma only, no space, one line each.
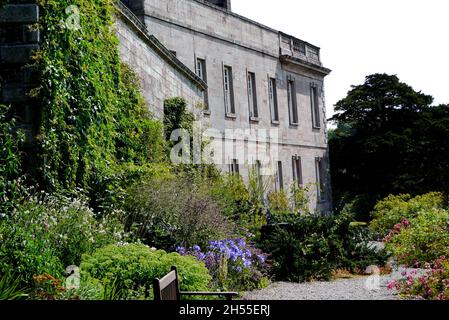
(234,167)
(320,179)
(292,105)
(315,101)
(279,177)
(273,95)
(258,171)
(297,170)
(202,73)
(228,91)
(252,95)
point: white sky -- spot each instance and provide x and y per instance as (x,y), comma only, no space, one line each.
(409,38)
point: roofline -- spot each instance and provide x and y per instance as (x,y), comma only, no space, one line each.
(132,20)
(231,13)
(321,70)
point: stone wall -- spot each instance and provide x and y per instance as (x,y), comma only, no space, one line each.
(194,29)
(162,75)
(19,38)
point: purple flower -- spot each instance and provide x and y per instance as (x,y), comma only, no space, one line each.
(196,248)
(181,250)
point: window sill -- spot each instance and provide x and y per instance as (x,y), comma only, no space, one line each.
(206,112)
(294,125)
(231,116)
(275,122)
(316,128)
(254,119)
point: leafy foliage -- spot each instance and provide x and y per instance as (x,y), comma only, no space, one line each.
(48,233)
(132,267)
(168,211)
(394,209)
(11,288)
(313,246)
(389,140)
(93,118)
(421,239)
(434,285)
(11,140)
(289,205)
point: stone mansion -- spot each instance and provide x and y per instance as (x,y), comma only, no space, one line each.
(246,77)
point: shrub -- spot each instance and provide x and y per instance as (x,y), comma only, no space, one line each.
(47,233)
(132,267)
(233,264)
(393,209)
(312,247)
(434,285)
(421,239)
(166,212)
(289,205)
(243,204)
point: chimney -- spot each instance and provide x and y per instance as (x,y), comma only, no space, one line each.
(226,4)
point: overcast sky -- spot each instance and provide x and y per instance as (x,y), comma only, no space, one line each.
(409,38)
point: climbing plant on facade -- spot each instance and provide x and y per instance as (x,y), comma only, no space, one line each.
(92,116)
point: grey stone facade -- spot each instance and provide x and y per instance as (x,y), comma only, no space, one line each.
(163,40)
(198,29)
(162,75)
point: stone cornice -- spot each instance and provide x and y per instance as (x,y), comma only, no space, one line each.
(304,64)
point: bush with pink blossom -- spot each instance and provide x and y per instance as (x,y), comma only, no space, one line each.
(434,285)
(421,239)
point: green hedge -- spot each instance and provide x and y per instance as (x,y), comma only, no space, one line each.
(132,267)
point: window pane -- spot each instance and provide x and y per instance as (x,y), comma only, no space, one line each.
(273,99)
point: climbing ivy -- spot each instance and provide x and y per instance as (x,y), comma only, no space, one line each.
(11,141)
(92,117)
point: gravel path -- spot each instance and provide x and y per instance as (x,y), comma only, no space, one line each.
(343,289)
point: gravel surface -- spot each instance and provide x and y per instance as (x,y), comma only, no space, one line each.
(360,288)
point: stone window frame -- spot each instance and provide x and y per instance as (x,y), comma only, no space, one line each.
(320,179)
(297,170)
(279,182)
(251,85)
(234,167)
(293,111)
(203,76)
(229,104)
(273,99)
(315,105)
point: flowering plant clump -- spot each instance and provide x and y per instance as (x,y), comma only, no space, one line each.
(421,239)
(397,229)
(233,264)
(432,286)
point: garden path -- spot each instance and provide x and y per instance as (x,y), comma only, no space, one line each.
(357,288)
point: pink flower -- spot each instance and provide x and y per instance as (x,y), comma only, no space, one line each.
(391,285)
(406,222)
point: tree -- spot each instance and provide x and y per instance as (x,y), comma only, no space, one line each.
(389,139)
